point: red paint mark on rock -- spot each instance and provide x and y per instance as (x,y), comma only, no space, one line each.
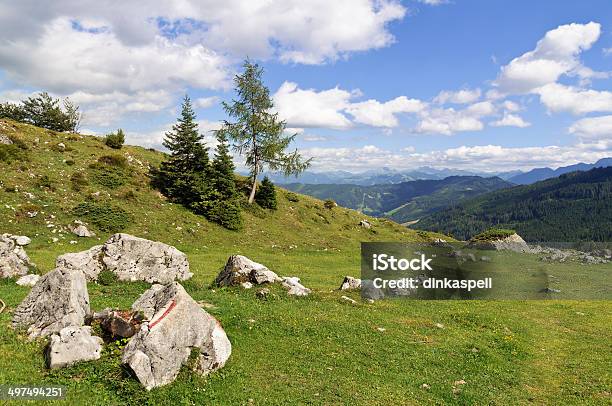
(172,305)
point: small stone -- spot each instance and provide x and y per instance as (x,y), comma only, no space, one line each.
(263,293)
(22,240)
(295,288)
(350,283)
(28,280)
(348,299)
(439,325)
(426,386)
(246,285)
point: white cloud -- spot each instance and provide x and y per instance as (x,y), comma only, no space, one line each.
(511,106)
(607,51)
(377,114)
(310,108)
(205,102)
(558,98)
(449,121)
(554,55)
(313,138)
(483,157)
(458,97)
(593,128)
(511,120)
(434,2)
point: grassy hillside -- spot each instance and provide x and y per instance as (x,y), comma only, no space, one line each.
(405,201)
(314,350)
(573,207)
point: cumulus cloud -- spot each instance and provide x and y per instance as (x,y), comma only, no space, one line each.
(434,2)
(377,114)
(481,157)
(449,121)
(458,97)
(205,102)
(593,128)
(311,108)
(554,55)
(557,98)
(511,120)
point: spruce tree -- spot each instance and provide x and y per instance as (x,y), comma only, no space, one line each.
(184,176)
(257,133)
(266,195)
(225,207)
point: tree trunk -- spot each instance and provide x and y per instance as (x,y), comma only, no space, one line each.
(253,188)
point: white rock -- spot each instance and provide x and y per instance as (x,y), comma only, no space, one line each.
(13,259)
(177,324)
(240,269)
(58,300)
(294,287)
(513,242)
(22,240)
(350,283)
(348,299)
(246,285)
(89,262)
(73,344)
(80,230)
(28,280)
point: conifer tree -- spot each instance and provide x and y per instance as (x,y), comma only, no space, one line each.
(225,207)
(257,133)
(266,195)
(184,176)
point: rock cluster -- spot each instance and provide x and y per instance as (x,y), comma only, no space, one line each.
(176,325)
(513,242)
(241,271)
(13,259)
(131,259)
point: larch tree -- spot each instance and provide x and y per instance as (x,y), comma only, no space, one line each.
(256,131)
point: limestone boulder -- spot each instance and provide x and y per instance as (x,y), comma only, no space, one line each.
(174,325)
(89,262)
(58,300)
(71,345)
(240,269)
(350,283)
(13,259)
(80,229)
(131,259)
(137,259)
(294,287)
(513,242)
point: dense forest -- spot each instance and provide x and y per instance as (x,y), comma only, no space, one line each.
(572,207)
(405,201)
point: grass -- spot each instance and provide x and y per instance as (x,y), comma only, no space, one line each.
(314,350)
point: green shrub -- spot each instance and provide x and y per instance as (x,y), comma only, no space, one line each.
(329,204)
(17,151)
(69,162)
(10,188)
(493,234)
(107,277)
(128,194)
(292,197)
(108,176)
(115,140)
(105,217)
(266,195)
(227,214)
(78,180)
(114,160)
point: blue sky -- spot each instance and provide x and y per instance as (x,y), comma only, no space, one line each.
(484,85)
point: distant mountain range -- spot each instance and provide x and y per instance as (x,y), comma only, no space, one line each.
(575,206)
(381,176)
(539,174)
(406,201)
(388,175)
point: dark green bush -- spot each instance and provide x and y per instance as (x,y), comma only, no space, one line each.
(107,277)
(44,182)
(292,197)
(115,140)
(227,214)
(111,177)
(105,217)
(114,160)
(493,234)
(329,204)
(69,162)
(266,195)
(17,151)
